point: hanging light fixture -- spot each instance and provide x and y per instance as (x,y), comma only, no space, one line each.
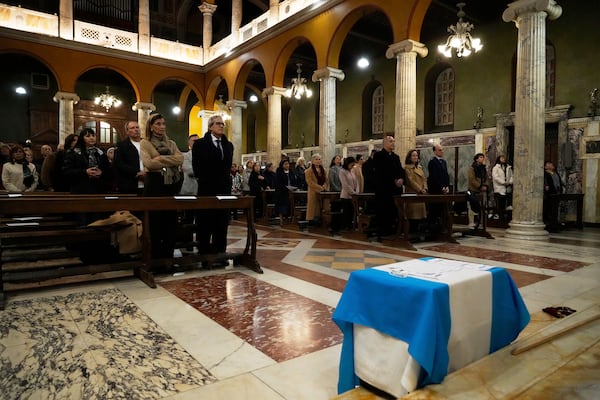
(107,100)
(222,109)
(298,88)
(460,39)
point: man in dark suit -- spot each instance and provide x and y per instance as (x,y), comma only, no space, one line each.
(389,179)
(438,182)
(211,160)
(130,171)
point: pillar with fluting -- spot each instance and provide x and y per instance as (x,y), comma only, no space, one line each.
(273,95)
(530,19)
(235,128)
(143,111)
(66,120)
(65,30)
(144,27)
(405,117)
(207,11)
(274,9)
(236,16)
(327,110)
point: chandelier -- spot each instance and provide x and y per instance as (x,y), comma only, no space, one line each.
(222,109)
(107,100)
(460,39)
(298,88)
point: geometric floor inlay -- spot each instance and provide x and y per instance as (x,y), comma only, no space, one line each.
(279,323)
(94,345)
(349,260)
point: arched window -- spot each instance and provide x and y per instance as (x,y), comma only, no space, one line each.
(444,98)
(372,111)
(377,111)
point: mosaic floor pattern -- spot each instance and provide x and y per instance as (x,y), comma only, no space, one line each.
(95,345)
(281,324)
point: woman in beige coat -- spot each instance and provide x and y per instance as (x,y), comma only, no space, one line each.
(415,182)
(316,180)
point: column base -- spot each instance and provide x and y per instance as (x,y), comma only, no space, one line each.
(526,231)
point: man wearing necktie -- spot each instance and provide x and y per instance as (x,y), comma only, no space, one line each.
(438,182)
(211,159)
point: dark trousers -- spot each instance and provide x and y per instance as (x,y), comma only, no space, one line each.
(386,215)
(211,231)
(348,214)
(163,224)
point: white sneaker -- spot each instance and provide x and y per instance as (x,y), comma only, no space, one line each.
(509,208)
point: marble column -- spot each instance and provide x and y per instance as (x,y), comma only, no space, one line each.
(236,128)
(530,18)
(273,95)
(236,16)
(327,110)
(274,9)
(207,11)
(65,21)
(205,115)
(144,27)
(143,110)
(405,117)
(66,120)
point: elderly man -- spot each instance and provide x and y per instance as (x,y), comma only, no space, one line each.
(127,162)
(211,159)
(389,178)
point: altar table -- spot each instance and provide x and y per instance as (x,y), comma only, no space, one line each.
(409,324)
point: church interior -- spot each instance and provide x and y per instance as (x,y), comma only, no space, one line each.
(233,333)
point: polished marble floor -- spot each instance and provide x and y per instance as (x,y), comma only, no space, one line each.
(233,334)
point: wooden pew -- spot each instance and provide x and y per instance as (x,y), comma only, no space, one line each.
(143,269)
(447,200)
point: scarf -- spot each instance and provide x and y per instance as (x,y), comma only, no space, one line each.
(28,178)
(319,174)
(480,172)
(170,174)
(93,156)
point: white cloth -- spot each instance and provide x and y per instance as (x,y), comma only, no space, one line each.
(381,360)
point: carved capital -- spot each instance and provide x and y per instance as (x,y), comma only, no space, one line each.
(521,7)
(273,90)
(406,46)
(65,96)
(236,103)
(143,106)
(207,8)
(328,72)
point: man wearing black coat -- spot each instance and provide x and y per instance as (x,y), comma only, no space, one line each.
(130,171)
(211,160)
(389,179)
(438,182)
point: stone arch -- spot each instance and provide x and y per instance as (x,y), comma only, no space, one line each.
(242,77)
(211,90)
(284,56)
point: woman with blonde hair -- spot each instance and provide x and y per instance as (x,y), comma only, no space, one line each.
(316,180)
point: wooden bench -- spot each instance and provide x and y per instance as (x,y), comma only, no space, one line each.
(143,268)
(447,231)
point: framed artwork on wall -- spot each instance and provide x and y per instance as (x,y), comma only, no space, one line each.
(590,147)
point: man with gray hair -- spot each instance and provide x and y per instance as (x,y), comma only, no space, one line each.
(212,156)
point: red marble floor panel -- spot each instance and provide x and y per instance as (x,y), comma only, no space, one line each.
(279,323)
(505,256)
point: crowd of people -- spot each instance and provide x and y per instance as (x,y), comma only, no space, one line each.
(152,165)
